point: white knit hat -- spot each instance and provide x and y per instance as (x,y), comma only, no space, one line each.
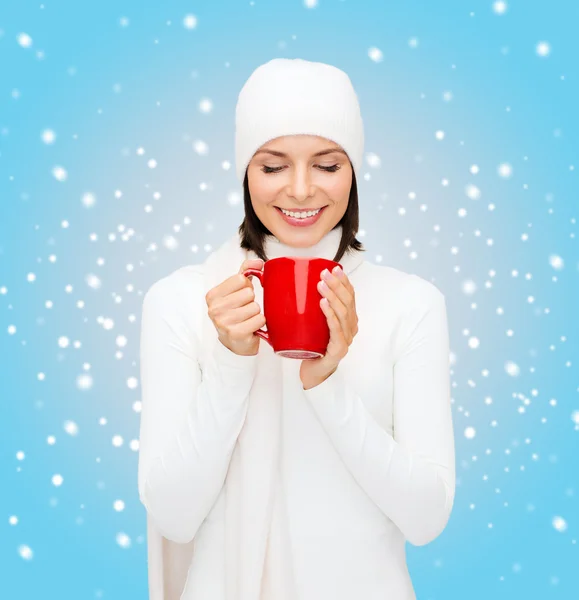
(288,96)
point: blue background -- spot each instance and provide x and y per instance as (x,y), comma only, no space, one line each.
(108,87)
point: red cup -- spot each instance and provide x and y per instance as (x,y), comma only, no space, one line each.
(296,325)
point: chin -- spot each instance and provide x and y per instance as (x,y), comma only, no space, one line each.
(299,239)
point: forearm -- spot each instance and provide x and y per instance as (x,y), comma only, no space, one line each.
(413,490)
(180,484)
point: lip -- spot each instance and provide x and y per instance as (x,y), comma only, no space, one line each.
(301,222)
(300,210)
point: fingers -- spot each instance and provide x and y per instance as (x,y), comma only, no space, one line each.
(342,303)
(338,344)
(226,315)
(339,309)
(235,282)
(237,299)
(345,282)
(251,263)
(249,325)
(342,288)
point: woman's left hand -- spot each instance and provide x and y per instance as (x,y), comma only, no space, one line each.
(342,319)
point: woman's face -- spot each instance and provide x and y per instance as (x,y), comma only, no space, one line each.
(299,173)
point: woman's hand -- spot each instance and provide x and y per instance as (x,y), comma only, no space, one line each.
(235,314)
(339,306)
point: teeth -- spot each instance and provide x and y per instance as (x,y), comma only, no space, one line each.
(300,215)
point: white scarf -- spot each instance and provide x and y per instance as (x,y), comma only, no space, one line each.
(257,545)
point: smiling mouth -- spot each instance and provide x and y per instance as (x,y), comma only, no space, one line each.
(300,210)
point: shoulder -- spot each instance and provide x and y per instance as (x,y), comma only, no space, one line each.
(413,307)
(184,287)
(178,290)
(405,291)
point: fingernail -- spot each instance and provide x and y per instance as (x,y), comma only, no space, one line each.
(338,272)
(325,273)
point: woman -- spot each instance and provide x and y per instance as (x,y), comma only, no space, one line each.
(270,478)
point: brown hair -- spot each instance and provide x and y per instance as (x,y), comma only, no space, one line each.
(253,232)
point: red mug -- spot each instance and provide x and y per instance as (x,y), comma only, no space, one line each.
(296,325)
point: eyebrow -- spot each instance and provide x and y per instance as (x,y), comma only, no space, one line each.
(320,153)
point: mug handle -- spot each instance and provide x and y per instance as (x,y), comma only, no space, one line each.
(259,274)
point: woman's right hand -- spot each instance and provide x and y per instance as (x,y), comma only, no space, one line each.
(234,312)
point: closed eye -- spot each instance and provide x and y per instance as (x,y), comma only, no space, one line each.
(331,169)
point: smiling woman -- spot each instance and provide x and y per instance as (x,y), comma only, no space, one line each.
(266,478)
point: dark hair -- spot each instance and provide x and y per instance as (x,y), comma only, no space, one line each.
(253,231)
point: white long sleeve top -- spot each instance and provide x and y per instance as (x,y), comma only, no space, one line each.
(369,457)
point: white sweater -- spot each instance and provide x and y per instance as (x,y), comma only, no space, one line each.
(368,460)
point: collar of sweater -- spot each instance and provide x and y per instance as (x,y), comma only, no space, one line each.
(325,248)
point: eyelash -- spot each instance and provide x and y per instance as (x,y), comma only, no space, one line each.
(331,169)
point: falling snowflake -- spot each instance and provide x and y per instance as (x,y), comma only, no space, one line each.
(24,40)
(375,54)
(543,49)
(190,22)
(60,173)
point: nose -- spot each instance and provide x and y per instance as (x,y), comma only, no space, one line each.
(300,186)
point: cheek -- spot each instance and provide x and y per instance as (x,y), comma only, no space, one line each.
(258,192)
(338,187)
(261,187)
